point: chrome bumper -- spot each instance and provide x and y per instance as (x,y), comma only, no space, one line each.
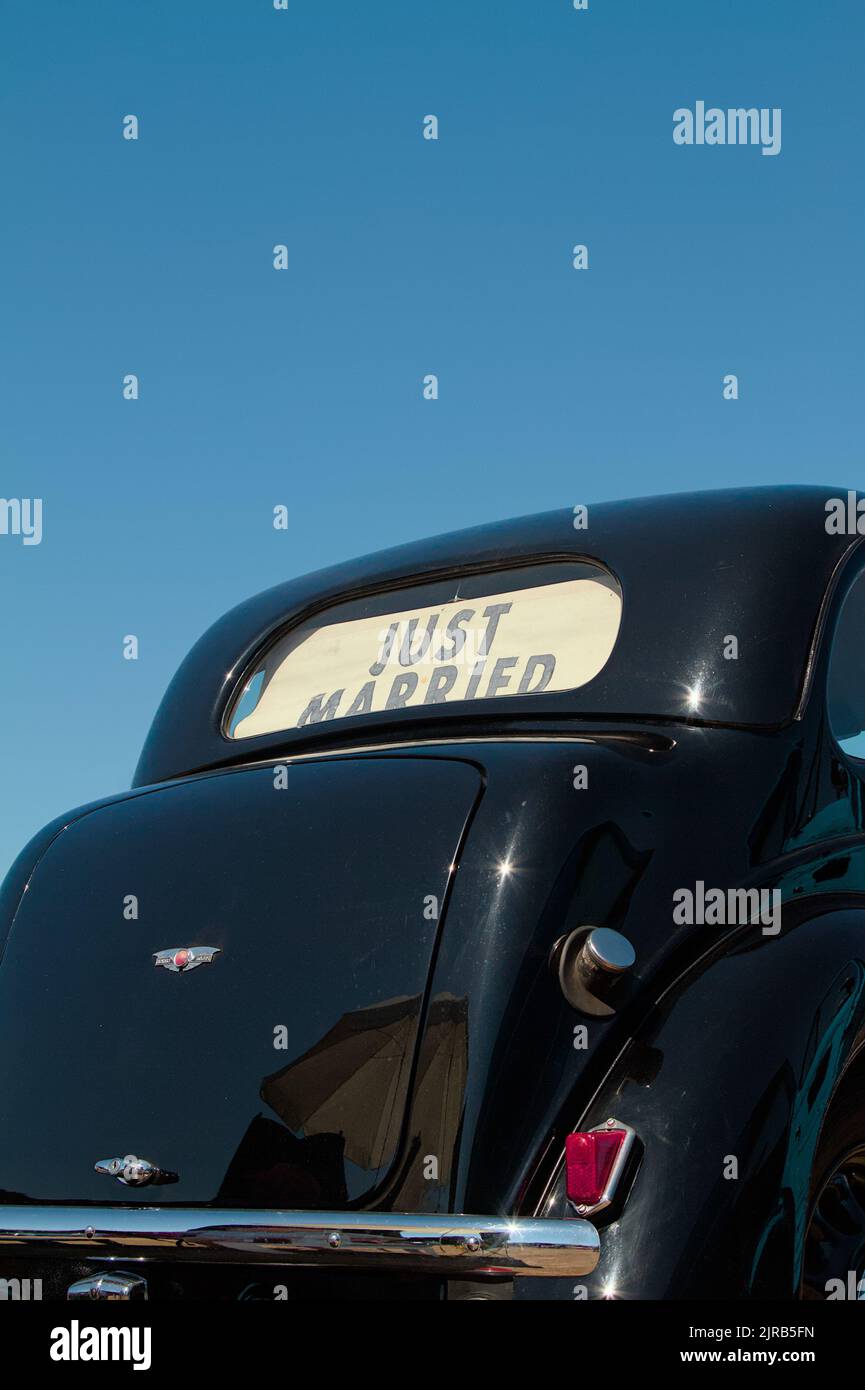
(452,1246)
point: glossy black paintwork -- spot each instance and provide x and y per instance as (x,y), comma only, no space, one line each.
(693,568)
(313,895)
(742,1055)
(726,1041)
(680,820)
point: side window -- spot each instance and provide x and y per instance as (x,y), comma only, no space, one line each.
(846,688)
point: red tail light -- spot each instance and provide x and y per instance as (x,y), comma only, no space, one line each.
(594,1160)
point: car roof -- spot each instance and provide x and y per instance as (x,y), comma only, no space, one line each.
(695,568)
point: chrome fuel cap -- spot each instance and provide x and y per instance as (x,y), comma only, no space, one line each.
(609,951)
(590,962)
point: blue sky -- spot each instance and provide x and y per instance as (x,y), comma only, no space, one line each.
(406,257)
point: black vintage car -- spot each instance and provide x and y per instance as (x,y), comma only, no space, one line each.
(518,883)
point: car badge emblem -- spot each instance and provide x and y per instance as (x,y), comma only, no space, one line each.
(133,1171)
(181,958)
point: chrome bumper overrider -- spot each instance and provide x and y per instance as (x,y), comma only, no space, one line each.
(446,1245)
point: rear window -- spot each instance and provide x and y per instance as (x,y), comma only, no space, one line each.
(534,630)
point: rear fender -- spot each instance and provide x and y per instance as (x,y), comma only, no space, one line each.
(727,1085)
